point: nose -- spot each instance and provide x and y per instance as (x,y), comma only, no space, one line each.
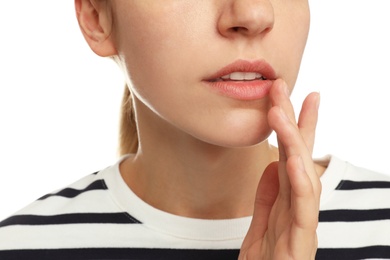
(246,18)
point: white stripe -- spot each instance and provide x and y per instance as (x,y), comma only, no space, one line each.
(81,183)
(353,234)
(99,236)
(88,202)
(355,173)
(359,199)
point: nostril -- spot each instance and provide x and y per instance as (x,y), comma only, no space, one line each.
(248,18)
(238,29)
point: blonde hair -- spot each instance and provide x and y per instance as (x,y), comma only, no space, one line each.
(128,137)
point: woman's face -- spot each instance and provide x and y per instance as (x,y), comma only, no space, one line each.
(180,57)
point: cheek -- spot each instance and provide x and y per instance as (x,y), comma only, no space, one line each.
(157,32)
(162,55)
(290,31)
(155,42)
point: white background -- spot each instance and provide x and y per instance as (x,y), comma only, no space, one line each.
(59,103)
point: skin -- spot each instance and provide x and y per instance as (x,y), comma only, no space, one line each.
(166,49)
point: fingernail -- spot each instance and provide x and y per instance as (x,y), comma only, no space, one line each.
(318,101)
(285,89)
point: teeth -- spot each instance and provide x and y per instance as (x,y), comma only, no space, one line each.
(243,76)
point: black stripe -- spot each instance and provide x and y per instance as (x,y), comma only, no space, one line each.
(380,252)
(120,253)
(71,193)
(357,185)
(377,252)
(354,215)
(77,218)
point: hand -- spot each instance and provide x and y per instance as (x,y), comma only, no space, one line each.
(286,211)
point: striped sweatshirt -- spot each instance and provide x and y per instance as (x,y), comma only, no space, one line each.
(99,217)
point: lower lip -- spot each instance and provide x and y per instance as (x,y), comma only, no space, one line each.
(242,90)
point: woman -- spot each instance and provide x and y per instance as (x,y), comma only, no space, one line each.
(208,81)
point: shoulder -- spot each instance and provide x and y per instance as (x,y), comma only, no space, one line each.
(65,199)
(342,175)
(56,219)
(88,194)
(354,220)
(345,184)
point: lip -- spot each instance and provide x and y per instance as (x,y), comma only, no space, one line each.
(243,90)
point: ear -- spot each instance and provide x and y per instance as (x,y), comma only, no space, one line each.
(96,25)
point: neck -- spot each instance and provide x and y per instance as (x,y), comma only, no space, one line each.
(182,175)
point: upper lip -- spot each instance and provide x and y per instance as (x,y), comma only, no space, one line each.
(257,66)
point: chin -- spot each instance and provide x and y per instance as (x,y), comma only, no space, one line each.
(239,139)
(247,131)
(240,128)
(248,141)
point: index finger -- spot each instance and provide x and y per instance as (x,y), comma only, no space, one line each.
(307,121)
